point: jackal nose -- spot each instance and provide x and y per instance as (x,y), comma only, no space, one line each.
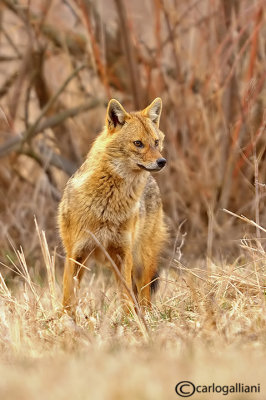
(161,162)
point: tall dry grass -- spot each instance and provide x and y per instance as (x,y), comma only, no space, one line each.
(207,324)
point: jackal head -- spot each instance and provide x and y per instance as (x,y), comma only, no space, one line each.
(135,139)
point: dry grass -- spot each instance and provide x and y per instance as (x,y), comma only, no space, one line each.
(207,325)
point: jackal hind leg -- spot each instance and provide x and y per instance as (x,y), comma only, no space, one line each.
(149,276)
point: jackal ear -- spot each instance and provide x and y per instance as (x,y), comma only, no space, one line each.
(153,111)
(116,115)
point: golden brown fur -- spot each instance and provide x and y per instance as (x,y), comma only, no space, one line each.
(114,196)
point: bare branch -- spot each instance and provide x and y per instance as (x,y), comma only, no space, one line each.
(30,132)
(129,50)
(15,142)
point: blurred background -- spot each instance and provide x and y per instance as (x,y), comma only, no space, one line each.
(62,60)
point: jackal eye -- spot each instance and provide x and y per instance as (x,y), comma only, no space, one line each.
(138,143)
(156,142)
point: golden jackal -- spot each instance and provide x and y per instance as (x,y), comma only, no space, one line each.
(113,196)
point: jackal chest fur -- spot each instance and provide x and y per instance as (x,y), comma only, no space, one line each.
(105,205)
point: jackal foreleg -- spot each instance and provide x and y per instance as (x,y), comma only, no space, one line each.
(73,273)
(124,261)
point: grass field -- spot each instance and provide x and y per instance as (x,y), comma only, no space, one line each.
(207,325)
